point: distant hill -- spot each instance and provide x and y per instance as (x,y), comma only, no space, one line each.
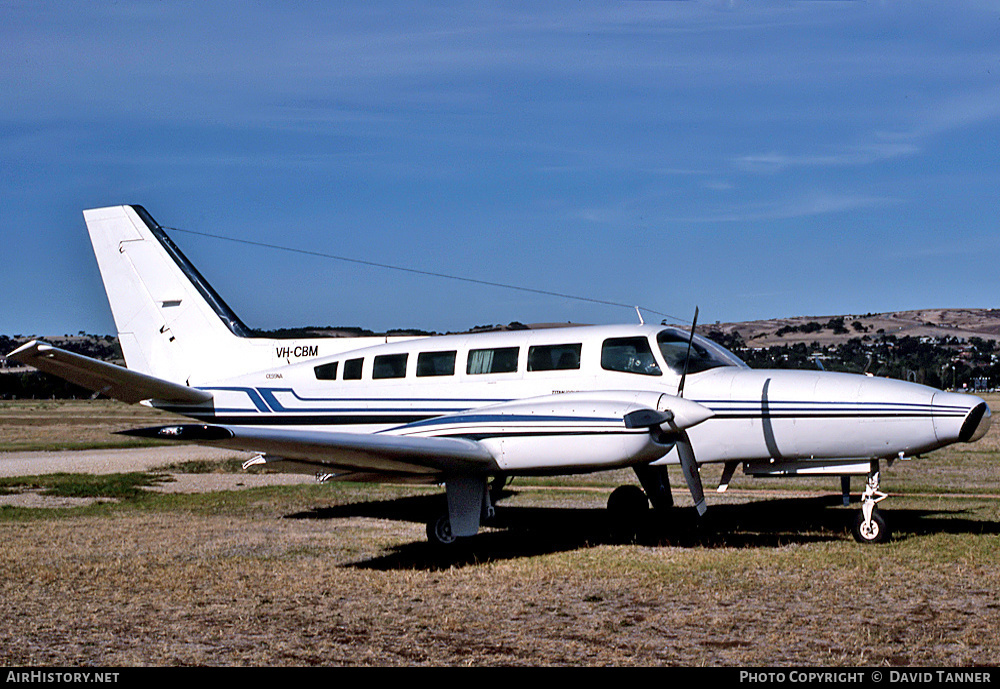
(832,330)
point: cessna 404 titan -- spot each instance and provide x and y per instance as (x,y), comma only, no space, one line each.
(465,410)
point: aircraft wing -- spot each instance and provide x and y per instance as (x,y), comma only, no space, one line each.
(463,443)
(332,451)
(108,379)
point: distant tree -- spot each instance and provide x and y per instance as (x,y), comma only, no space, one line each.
(837,325)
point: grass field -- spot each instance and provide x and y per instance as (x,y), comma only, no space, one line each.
(28,425)
(342,575)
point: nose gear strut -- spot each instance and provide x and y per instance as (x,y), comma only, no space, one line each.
(870,526)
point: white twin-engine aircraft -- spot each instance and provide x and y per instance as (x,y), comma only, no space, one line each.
(463,410)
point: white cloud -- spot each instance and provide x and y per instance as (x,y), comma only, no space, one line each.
(803,205)
(848,156)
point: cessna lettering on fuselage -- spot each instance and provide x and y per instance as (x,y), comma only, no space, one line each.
(472,410)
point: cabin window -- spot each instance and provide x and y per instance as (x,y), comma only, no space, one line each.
(352,369)
(326,371)
(389,366)
(502,360)
(554,357)
(436,364)
(629,355)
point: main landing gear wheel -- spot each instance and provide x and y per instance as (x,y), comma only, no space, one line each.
(628,507)
(628,502)
(439,532)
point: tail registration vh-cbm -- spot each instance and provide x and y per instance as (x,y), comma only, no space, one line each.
(465,410)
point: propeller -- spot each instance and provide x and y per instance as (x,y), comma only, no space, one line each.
(685,451)
(673,416)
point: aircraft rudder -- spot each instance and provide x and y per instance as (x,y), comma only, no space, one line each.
(170,321)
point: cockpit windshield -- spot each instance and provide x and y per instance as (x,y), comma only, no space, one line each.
(705,354)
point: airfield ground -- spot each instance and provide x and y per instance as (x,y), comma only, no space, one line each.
(154,555)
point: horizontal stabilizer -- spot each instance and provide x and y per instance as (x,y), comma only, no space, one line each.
(189,432)
(104,378)
(354,451)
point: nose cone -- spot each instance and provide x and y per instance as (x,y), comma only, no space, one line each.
(961,418)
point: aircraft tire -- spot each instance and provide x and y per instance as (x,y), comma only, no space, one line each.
(877,532)
(439,532)
(628,504)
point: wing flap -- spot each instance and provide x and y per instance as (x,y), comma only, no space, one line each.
(107,379)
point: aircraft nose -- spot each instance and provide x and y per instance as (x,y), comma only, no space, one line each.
(977,422)
(964,418)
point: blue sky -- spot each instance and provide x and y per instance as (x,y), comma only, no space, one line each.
(756,160)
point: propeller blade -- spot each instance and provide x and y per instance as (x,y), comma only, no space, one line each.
(689,466)
(694,323)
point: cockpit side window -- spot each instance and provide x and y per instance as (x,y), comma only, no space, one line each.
(705,354)
(629,355)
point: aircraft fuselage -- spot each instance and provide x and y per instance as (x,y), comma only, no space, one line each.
(448,386)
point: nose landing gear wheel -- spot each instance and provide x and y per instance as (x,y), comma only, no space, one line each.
(870,526)
(873,530)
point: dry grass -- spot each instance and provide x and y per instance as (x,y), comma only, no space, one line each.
(28,425)
(342,575)
(266,582)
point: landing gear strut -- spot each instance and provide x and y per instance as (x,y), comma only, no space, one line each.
(469,505)
(870,526)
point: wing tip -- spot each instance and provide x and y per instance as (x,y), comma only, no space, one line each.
(31,346)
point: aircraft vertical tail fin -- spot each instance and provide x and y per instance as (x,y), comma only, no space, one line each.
(171,323)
